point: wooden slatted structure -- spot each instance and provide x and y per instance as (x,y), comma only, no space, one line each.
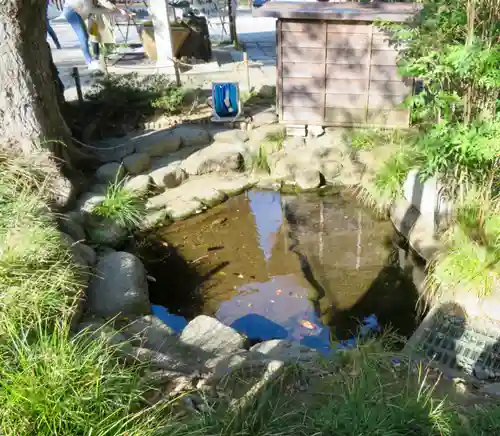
(335,67)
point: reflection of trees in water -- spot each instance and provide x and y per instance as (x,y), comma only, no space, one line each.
(351,273)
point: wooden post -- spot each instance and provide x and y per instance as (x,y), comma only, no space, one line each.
(232,7)
(78,85)
(163,37)
(247,70)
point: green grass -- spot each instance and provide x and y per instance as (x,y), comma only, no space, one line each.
(53,383)
(368,139)
(387,185)
(259,160)
(470,258)
(123,206)
(276,140)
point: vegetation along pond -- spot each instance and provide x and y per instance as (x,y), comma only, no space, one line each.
(273,266)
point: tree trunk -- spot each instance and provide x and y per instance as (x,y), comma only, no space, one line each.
(30,115)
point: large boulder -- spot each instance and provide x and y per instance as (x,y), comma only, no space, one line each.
(87,202)
(158,143)
(139,184)
(211,336)
(150,332)
(71,227)
(169,176)
(233,136)
(110,172)
(192,135)
(137,163)
(264,118)
(119,286)
(220,157)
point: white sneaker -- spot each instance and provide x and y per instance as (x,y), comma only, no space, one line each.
(94,66)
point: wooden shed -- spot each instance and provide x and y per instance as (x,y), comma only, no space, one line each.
(335,67)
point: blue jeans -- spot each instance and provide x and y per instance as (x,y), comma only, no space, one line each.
(78,25)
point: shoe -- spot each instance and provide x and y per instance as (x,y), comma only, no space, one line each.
(94,66)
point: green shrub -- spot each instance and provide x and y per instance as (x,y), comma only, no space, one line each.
(123,206)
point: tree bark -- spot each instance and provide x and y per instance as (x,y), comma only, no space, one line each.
(30,115)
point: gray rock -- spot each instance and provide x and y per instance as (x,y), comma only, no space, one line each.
(220,157)
(212,336)
(99,188)
(158,143)
(86,253)
(153,219)
(119,286)
(72,228)
(267,91)
(104,231)
(315,131)
(88,201)
(76,216)
(137,163)
(293,142)
(139,184)
(112,149)
(169,177)
(76,254)
(264,118)
(192,135)
(98,329)
(308,179)
(234,136)
(286,351)
(109,173)
(150,332)
(262,133)
(330,171)
(492,389)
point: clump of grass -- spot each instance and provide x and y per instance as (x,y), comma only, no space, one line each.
(276,140)
(368,139)
(259,160)
(470,258)
(387,185)
(123,206)
(38,276)
(368,397)
(53,383)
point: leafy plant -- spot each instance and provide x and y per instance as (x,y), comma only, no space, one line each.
(259,160)
(123,206)
(276,140)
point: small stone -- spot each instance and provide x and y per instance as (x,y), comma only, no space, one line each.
(192,135)
(139,184)
(307,179)
(137,163)
(110,173)
(315,131)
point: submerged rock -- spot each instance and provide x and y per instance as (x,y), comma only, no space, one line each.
(286,351)
(119,286)
(210,335)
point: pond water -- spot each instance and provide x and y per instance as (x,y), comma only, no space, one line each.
(303,267)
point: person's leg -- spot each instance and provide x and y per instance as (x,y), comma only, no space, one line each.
(95,50)
(53,35)
(76,22)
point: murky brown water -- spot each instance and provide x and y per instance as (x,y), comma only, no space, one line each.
(301,267)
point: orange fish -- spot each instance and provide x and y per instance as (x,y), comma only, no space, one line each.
(307,324)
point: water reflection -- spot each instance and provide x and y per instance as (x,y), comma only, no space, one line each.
(302,267)
(268,216)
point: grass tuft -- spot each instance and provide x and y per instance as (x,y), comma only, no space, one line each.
(122,206)
(55,383)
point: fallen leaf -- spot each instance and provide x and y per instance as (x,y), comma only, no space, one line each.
(249,304)
(240,276)
(278,291)
(307,324)
(272,301)
(165,244)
